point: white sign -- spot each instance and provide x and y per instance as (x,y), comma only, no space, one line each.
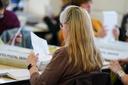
(110,21)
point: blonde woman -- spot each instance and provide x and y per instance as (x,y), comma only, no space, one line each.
(79,54)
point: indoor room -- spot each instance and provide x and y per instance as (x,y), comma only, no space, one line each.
(63,42)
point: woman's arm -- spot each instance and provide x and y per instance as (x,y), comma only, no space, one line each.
(32,59)
(116,68)
(52,73)
(124,79)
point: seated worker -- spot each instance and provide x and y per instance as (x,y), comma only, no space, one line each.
(23,39)
(16,5)
(53,24)
(72,59)
(98,28)
(8,19)
(115,67)
(124,29)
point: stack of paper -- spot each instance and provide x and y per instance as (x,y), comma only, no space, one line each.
(109,54)
(16,74)
(112,50)
(14,56)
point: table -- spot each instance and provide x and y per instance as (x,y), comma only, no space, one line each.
(24,81)
(9,81)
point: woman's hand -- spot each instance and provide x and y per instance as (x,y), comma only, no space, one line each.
(115,66)
(116,33)
(32,59)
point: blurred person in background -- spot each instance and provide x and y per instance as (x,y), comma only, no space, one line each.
(54,24)
(99,31)
(98,28)
(23,39)
(124,29)
(17,6)
(8,19)
(9,25)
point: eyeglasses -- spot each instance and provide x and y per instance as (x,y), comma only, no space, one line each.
(61,25)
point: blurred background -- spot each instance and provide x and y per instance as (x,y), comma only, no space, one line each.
(42,18)
(39,7)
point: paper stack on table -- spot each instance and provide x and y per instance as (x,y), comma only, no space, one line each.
(16,74)
(14,56)
(112,50)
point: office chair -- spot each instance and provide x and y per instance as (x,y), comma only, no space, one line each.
(93,78)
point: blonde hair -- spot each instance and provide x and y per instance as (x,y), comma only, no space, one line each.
(80,39)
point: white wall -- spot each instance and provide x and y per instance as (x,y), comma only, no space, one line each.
(126,6)
(99,6)
(56,6)
(39,7)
